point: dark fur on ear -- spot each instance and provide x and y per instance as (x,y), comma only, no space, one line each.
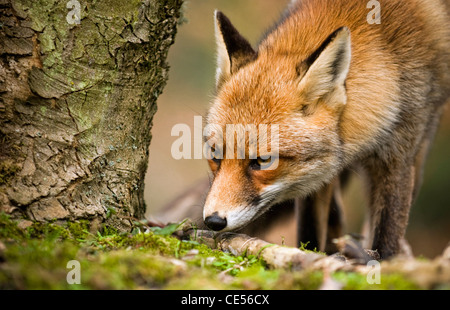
(324,72)
(304,66)
(239,50)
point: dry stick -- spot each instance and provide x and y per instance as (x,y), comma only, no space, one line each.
(425,274)
(275,256)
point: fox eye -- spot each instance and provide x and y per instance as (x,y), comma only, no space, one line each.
(260,163)
(214,158)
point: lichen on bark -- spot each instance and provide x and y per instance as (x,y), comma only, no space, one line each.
(76,105)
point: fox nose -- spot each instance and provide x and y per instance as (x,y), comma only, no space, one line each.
(215,222)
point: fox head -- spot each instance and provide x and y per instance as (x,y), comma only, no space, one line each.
(303,95)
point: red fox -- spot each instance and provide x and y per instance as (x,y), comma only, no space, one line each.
(344,92)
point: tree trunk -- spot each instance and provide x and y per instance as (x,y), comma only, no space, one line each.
(77,98)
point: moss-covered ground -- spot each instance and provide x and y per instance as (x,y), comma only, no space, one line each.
(38,257)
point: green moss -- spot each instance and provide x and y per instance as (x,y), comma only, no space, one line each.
(258,277)
(302,280)
(37,257)
(128,270)
(357,281)
(72,231)
(79,229)
(41,230)
(37,264)
(305,248)
(8,170)
(9,229)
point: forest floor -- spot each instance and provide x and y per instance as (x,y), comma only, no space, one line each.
(69,256)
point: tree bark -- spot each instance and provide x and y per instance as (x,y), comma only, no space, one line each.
(76,105)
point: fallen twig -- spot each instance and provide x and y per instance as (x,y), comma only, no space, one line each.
(352,257)
(275,256)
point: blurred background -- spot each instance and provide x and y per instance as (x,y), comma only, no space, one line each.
(189,92)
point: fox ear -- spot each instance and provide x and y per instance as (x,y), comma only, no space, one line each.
(326,69)
(233,50)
